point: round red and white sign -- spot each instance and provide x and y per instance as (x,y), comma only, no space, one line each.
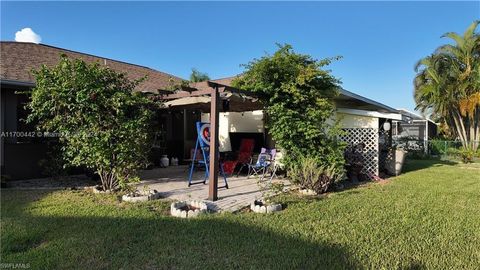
(205,133)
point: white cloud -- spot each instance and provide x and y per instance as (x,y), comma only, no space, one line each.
(27,35)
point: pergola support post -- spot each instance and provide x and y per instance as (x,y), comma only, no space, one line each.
(214,155)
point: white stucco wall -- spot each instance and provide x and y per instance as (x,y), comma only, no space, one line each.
(236,122)
(357,121)
(253,122)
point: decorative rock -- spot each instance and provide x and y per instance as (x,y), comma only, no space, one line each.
(177,211)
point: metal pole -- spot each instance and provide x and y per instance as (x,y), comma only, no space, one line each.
(213,176)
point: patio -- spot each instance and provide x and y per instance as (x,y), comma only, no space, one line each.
(171,182)
(213,97)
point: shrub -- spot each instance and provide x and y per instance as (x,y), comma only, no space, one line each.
(466,154)
(53,165)
(308,173)
(298,92)
(438,147)
(103,124)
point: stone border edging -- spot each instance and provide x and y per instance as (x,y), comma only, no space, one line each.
(141,196)
(176,211)
(260,207)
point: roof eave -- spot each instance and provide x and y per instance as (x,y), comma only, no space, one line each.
(17,83)
(367,100)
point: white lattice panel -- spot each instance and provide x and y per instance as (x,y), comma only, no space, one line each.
(368,136)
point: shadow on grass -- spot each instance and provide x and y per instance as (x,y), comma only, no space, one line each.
(420,164)
(158,242)
(410,165)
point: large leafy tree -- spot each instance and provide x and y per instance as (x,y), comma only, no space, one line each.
(198,76)
(447,85)
(298,95)
(103,123)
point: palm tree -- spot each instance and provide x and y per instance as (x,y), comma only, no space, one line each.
(447,85)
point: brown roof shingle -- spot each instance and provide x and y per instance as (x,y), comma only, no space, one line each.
(19,58)
(226,81)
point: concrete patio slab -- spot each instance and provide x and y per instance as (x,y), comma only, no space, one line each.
(172,183)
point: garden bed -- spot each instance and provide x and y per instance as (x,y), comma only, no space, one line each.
(265,208)
(188,209)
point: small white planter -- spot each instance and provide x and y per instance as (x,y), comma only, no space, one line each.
(395,160)
(188,209)
(261,207)
(141,196)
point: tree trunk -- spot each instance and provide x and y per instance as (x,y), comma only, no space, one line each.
(108,179)
(460,128)
(476,125)
(472,133)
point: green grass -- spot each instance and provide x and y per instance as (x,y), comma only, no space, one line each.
(428,217)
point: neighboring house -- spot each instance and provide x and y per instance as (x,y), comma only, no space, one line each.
(416,128)
(364,120)
(20,154)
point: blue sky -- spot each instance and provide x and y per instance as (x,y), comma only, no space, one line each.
(380,41)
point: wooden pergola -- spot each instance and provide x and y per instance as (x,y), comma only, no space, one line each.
(214,97)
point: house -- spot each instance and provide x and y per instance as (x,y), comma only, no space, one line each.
(21,151)
(416,127)
(364,120)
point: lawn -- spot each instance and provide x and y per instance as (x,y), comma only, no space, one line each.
(428,217)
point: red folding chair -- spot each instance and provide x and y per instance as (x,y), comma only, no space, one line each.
(243,157)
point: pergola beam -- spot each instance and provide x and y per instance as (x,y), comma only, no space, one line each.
(226,88)
(194,92)
(188,94)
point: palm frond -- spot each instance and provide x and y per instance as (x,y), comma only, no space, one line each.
(471,30)
(456,37)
